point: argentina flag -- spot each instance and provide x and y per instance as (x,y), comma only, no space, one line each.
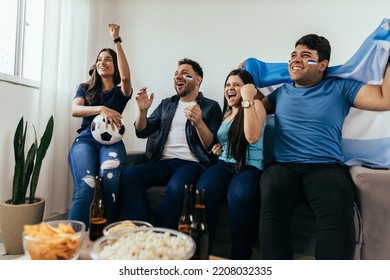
(366,134)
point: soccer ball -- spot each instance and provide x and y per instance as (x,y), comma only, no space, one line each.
(103,135)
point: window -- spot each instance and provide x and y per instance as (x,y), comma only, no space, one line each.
(21,34)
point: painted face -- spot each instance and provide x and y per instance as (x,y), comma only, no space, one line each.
(105,64)
(304,68)
(185,80)
(233,90)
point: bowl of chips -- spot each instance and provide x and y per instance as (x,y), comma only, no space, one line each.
(53,240)
(124,225)
(144,243)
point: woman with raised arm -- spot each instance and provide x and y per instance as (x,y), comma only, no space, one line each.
(106,93)
(237,173)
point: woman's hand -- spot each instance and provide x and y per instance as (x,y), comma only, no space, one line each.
(248,92)
(111,117)
(114,30)
(217,149)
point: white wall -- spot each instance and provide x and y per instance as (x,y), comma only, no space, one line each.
(219,34)
(16,101)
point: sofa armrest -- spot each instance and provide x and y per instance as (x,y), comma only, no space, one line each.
(135,157)
(373,192)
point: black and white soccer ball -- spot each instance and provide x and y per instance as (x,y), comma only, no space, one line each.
(105,135)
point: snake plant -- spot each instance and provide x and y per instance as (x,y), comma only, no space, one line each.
(27,168)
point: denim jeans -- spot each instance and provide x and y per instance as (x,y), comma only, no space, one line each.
(242,191)
(329,192)
(87,159)
(173,174)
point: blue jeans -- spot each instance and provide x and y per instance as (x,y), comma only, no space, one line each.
(329,191)
(173,174)
(87,159)
(242,191)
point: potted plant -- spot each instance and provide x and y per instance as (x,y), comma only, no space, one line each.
(23,209)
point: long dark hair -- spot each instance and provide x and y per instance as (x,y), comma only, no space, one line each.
(237,144)
(94,86)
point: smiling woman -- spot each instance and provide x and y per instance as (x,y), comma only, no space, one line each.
(104,95)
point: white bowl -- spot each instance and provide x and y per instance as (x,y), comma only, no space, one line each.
(48,242)
(144,243)
(109,228)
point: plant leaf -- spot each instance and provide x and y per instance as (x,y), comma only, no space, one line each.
(19,140)
(41,152)
(28,168)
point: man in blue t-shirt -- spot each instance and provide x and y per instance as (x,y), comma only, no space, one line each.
(308,159)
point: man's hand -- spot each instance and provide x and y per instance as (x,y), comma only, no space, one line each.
(143,100)
(241,65)
(194,114)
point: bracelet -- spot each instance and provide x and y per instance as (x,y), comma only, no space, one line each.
(118,40)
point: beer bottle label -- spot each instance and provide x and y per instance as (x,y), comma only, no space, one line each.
(96,228)
(184,228)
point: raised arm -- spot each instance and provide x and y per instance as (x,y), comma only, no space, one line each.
(254,115)
(143,102)
(375,97)
(123,65)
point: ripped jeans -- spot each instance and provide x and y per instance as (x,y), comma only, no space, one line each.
(87,159)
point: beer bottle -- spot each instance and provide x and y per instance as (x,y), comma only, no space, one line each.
(97,219)
(186,217)
(199,230)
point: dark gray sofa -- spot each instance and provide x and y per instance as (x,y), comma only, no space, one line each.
(372,227)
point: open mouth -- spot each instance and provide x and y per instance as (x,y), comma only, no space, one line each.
(231,96)
(179,85)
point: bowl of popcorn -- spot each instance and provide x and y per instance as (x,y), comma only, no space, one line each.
(53,240)
(144,243)
(124,225)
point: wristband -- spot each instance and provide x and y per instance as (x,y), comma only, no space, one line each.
(118,40)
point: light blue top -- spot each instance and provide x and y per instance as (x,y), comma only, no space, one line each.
(309,121)
(254,155)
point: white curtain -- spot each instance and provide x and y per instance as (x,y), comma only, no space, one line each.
(65,45)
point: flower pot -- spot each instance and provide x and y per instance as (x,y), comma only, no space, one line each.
(12,220)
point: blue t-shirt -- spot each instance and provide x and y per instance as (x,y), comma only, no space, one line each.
(113,99)
(254,156)
(309,121)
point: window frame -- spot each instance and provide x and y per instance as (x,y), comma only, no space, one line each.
(17,78)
